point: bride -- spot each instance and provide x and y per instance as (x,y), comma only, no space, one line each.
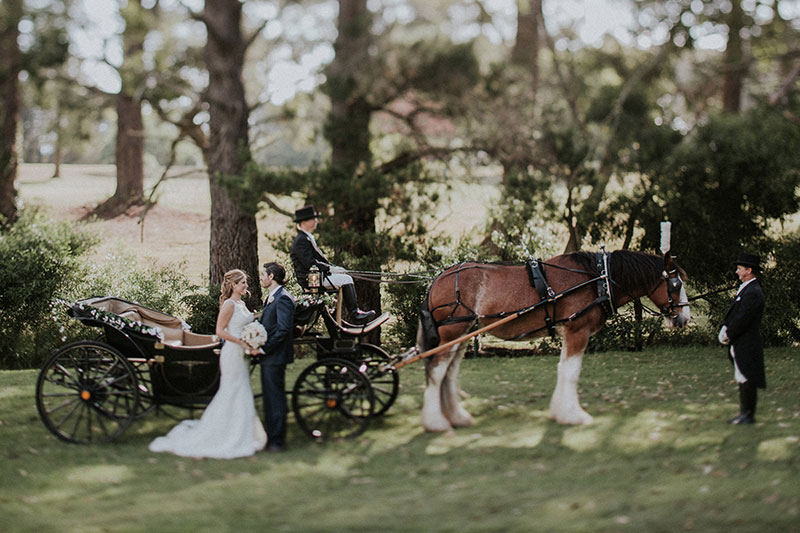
(229,427)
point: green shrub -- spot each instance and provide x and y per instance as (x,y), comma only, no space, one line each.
(39,260)
(781,323)
(122,274)
(202,309)
(623,332)
(44,264)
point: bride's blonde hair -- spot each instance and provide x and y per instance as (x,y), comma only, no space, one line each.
(231,278)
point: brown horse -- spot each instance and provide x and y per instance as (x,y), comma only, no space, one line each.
(578,292)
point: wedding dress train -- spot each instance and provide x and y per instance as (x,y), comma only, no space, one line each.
(229,427)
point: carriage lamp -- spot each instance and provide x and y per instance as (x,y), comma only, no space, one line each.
(314,279)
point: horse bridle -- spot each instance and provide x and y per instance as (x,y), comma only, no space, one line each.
(672,278)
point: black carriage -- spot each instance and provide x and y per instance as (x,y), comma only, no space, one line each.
(145,360)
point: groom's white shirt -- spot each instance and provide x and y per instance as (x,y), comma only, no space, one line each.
(271,296)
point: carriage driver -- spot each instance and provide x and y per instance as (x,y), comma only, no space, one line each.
(305,253)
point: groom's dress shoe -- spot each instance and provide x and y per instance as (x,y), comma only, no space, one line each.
(276,448)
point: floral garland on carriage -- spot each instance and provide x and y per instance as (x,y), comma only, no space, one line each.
(113,320)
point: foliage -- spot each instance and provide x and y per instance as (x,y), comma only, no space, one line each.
(659,457)
(781,323)
(725,186)
(40,259)
(43,261)
(623,332)
(202,309)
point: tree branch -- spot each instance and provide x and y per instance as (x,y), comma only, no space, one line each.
(787,83)
(250,40)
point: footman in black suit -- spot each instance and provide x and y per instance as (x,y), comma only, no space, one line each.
(740,331)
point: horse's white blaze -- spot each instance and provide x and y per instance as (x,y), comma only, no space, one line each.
(682,318)
(565,408)
(685,313)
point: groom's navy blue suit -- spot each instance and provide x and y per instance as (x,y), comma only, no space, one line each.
(278,320)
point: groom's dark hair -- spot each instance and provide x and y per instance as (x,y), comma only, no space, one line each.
(277,271)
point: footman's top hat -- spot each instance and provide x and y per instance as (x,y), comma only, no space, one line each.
(750,261)
(305,213)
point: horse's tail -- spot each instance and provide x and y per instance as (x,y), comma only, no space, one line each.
(427,331)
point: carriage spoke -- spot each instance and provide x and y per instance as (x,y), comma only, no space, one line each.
(108,371)
(75,401)
(62,370)
(81,407)
(102,426)
(60,395)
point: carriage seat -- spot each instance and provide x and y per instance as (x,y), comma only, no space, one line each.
(179,338)
(131,314)
(171,327)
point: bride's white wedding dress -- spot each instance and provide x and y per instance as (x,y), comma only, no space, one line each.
(229,427)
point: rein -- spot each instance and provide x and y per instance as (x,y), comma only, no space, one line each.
(392,278)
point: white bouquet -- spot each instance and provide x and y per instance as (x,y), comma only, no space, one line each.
(254,334)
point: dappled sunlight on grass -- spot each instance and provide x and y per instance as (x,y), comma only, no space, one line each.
(98,475)
(646,430)
(401,431)
(583,438)
(526,437)
(11,392)
(779,449)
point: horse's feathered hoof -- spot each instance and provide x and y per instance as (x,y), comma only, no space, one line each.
(573,419)
(438,425)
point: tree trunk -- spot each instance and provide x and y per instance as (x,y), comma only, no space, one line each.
(58,153)
(234,236)
(130,151)
(9,107)
(347,130)
(130,127)
(526,48)
(735,67)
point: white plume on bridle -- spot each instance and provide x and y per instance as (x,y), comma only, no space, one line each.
(666,228)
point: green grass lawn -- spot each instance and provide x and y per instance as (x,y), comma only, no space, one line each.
(659,457)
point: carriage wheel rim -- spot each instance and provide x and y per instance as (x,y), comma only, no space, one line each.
(87,392)
(332,400)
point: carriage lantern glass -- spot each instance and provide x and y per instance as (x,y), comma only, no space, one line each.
(314,279)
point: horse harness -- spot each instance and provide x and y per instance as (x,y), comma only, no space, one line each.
(538,280)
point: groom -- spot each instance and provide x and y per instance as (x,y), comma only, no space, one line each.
(278,319)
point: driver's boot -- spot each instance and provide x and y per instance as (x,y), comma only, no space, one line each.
(350,303)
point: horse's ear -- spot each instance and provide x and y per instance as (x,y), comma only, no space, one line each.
(667,260)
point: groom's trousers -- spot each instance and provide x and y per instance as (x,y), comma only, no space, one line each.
(273,387)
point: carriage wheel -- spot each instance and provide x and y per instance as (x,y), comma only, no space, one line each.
(87,392)
(331,399)
(385,385)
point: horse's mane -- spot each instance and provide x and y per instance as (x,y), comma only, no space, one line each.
(628,269)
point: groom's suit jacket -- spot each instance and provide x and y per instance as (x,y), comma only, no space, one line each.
(743,321)
(278,320)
